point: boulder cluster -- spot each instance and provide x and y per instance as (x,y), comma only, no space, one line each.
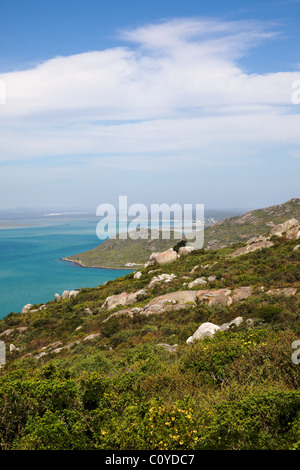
(290,229)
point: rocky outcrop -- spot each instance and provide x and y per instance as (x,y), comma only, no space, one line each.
(286,291)
(252,245)
(124,298)
(241,293)
(183,297)
(8,332)
(115,300)
(26,308)
(215,297)
(290,229)
(162,258)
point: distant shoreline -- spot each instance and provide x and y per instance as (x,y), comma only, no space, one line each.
(79,263)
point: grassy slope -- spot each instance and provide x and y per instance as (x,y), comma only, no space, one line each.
(238,390)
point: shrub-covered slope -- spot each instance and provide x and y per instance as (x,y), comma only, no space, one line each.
(80,376)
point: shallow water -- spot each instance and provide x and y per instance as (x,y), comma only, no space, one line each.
(31,269)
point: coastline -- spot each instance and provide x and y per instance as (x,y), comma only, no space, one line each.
(79,263)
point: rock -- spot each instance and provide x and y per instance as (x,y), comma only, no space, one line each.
(280,229)
(164,257)
(185,250)
(137,275)
(168,347)
(208,295)
(262,242)
(222,300)
(197,282)
(194,269)
(26,308)
(135,296)
(65,294)
(161,278)
(178,297)
(90,337)
(57,297)
(78,328)
(211,278)
(21,329)
(6,332)
(42,307)
(88,310)
(73,293)
(237,322)
(206,329)
(286,291)
(136,310)
(124,299)
(114,300)
(241,293)
(163,307)
(13,348)
(38,356)
(54,345)
(297,247)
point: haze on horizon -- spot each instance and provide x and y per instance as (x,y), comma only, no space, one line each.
(168,104)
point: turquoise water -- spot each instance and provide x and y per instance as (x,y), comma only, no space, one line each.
(31,270)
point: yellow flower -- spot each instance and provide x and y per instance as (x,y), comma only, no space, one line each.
(167,423)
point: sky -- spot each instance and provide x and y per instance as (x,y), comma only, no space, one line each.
(162,101)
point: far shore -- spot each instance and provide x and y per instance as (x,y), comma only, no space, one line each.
(79,263)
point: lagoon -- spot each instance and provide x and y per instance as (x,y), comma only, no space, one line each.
(31,269)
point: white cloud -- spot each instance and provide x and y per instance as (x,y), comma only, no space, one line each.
(178,90)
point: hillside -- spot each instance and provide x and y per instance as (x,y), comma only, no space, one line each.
(117,253)
(115,367)
(257,222)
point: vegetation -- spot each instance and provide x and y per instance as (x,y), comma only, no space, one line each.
(122,390)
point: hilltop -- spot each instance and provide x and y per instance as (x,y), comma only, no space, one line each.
(119,253)
(200,353)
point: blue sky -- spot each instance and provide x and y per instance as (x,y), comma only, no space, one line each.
(163,101)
